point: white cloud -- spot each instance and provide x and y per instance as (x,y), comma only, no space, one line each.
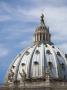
(55,17)
(23,44)
(15,33)
(34,13)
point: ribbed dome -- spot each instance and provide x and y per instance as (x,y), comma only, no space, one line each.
(38,60)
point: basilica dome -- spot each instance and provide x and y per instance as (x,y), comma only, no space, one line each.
(39,60)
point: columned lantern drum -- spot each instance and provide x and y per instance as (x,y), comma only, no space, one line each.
(42,61)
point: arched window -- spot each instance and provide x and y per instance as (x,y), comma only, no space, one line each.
(58,53)
(44,37)
(48,52)
(36,63)
(62,66)
(50,64)
(37,52)
(53,47)
(27,53)
(40,36)
(37,36)
(23,64)
(13,66)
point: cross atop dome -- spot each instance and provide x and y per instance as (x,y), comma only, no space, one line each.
(42,18)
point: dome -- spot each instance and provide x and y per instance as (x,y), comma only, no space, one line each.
(42,58)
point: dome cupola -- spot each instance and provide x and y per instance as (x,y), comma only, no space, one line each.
(42,32)
(39,61)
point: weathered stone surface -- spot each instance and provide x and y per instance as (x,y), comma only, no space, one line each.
(55,85)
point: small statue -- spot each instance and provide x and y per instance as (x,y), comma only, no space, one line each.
(23,75)
(42,18)
(10,76)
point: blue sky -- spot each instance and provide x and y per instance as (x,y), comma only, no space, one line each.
(18,20)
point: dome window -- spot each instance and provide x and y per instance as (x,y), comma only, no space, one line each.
(23,64)
(13,66)
(27,53)
(36,63)
(66,55)
(50,64)
(58,53)
(48,52)
(62,66)
(53,47)
(37,52)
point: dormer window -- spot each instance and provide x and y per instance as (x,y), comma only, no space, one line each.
(23,64)
(48,52)
(13,66)
(37,52)
(36,63)
(50,64)
(58,53)
(27,53)
(53,47)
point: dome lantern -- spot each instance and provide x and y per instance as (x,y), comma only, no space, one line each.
(42,32)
